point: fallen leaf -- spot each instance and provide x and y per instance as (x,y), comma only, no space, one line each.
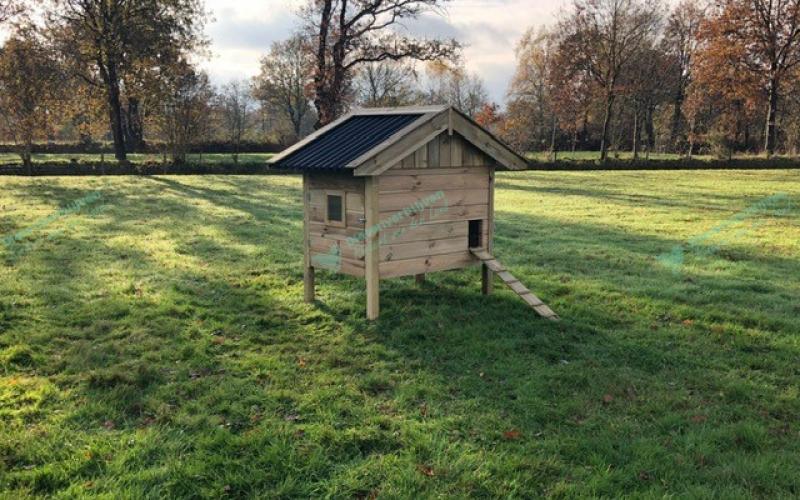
(511,435)
(218,340)
(688,322)
(644,475)
(423,410)
(109,424)
(301,362)
(607,398)
(428,471)
(699,419)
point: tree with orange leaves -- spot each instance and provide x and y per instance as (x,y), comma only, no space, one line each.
(759,40)
(600,38)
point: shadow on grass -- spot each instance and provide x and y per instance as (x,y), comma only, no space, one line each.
(177,315)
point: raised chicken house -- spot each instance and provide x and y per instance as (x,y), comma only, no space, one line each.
(403,191)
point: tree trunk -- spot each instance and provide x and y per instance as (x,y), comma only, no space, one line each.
(575,139)
(675,126)
(321,98)
(115,114)
(772,112)
(553,151)
(606,126)
(636,132)
(649,127)
(134,127)
(26,155)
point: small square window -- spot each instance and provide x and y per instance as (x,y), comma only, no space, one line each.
(335,208)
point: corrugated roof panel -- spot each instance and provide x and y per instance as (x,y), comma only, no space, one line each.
(342,144)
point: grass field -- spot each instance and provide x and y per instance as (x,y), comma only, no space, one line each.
(545,156)
(154,343)
(208,158)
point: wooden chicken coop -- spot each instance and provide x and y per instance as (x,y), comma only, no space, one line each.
(405,191)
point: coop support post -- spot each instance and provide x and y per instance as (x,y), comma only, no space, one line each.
(487,276)
(308,269)
(372,247)
(308,283)
(486,280)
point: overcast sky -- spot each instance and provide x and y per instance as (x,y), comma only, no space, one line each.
(244,29)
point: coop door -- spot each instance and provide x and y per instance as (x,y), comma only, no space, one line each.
(475,239)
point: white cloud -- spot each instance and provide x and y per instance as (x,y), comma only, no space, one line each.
(489,29)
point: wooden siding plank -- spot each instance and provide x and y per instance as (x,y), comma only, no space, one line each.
(421,157)
(407,234)
(456,197)
(457,151)
(431,216)
(347,250)
(323,230)
(323,260)
(417,182)
(372,248)
(428,264)
(433,154)
(436,171)
(402,251)
(444,150)
(344,180)
(354,202)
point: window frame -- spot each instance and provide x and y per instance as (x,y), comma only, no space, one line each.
(343,195)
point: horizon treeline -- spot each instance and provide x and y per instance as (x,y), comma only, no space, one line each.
(608,75)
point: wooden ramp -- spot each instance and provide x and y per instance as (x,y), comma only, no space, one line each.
(514,284)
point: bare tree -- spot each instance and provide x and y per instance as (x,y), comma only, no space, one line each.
(284,81)
(9,9)
(645,86)
(601,37)
(29,85)
(349,33)
(235,107)
(455,86)
(183,116)
(680,44)
(531,112)
(108,41)
(385,83)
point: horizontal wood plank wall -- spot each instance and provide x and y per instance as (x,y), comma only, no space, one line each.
(425,203)
(326,242)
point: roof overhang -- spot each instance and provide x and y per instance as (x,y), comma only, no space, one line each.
(432,121)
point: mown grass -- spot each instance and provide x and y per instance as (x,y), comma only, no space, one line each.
(546,156)
(194,159)
(155,344)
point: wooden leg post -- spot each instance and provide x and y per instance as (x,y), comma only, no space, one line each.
(487,276)
(308,269)
(486,280)
(372,248)
(308,284)
(373,298)
(419,279)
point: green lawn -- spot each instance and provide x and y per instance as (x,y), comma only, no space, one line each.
(154,343)
(545,156)
(208,158)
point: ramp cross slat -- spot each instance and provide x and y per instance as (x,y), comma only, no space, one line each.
(514,284)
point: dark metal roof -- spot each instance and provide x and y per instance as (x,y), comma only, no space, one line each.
(337,147)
